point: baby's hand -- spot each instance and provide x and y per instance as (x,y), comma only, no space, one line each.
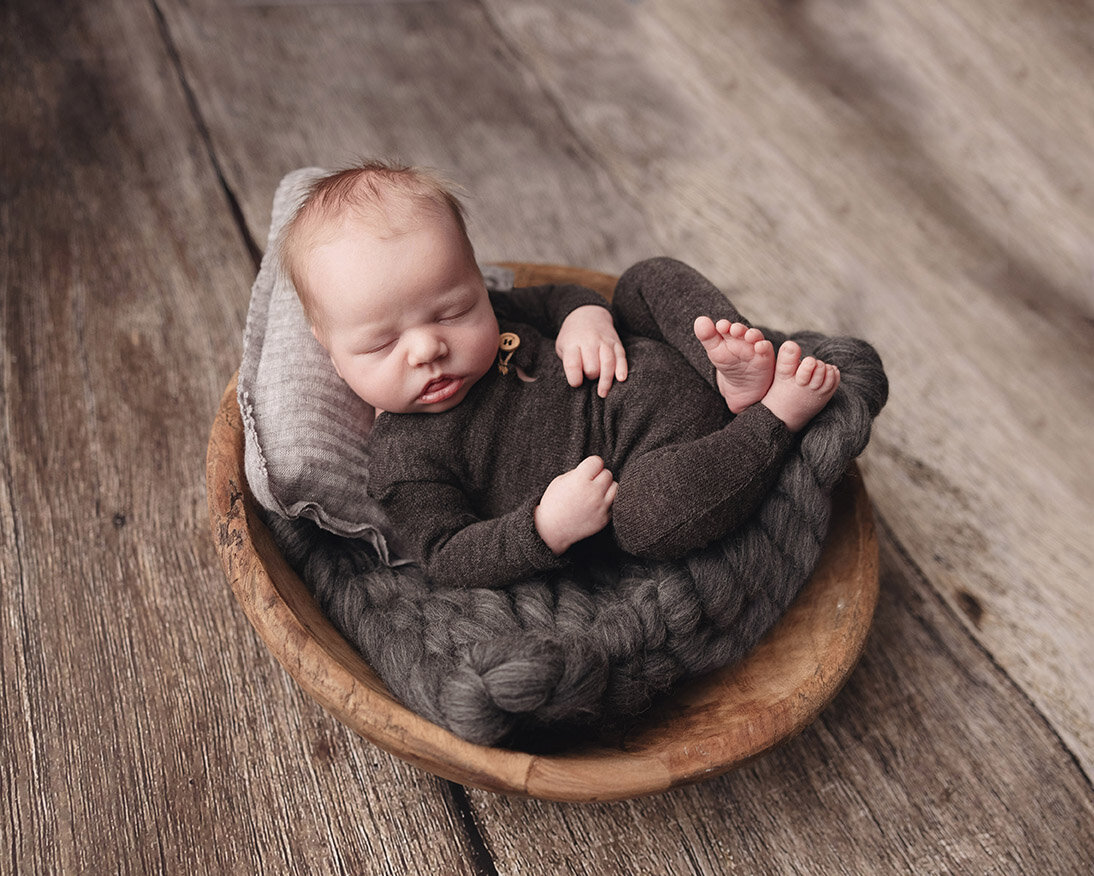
(589,346)
(575,505)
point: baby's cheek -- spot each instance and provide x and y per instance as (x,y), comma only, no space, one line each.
(484,348)
(372,382)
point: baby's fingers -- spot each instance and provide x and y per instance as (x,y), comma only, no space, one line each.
(620,362)
(604,480)
(591,466)
(613,366)
(607,370)
(573,365)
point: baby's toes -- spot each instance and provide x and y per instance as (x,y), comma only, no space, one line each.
(820,376)
(806,370)
(788,359)
(707,332)
(729,329)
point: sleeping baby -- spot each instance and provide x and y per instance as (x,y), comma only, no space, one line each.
(516,429)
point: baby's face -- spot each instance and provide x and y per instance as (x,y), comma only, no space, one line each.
(406,320)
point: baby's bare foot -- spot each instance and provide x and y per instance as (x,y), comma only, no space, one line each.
(801,388)
(743,360)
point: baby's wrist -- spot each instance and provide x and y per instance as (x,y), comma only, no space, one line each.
(593,311)
(548,531)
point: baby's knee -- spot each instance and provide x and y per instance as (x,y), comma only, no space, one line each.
(644,291)
(654,272)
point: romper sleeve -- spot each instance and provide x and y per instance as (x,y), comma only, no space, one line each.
(544,307)
(424,494)
(457,548)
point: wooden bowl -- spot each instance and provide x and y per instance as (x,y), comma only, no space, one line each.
(706,727)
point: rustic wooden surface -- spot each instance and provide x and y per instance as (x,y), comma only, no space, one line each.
(915,173)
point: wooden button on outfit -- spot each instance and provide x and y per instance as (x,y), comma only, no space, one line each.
(507,344)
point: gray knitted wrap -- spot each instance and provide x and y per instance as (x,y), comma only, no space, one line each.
(594,645)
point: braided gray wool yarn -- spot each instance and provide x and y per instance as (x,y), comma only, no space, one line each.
(595,645)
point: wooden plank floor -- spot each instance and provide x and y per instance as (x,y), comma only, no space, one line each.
(915,173)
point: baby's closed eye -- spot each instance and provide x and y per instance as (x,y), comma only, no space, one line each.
(378,347)
(453,316)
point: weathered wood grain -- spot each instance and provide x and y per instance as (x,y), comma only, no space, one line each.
(973,782)
(914,173)
(143,728)
(282,86)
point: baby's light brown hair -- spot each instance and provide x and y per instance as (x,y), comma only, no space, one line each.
(384,196)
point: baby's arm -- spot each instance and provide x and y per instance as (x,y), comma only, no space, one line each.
(575,505)
(459,549)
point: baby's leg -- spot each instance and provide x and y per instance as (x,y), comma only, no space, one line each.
(679,497)
(743,360)
(801,387)
(688,470)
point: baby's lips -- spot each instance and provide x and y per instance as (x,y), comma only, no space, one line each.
(440,389)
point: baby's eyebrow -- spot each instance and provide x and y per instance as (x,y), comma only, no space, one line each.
(457,297)
(450,296)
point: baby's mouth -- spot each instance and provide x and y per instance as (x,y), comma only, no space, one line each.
(441,389)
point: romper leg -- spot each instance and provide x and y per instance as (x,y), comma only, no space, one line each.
(660,298)
(679,497)
(678,494)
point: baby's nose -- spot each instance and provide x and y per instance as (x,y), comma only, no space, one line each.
(426,347)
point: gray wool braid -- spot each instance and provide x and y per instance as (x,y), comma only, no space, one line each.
(593,646)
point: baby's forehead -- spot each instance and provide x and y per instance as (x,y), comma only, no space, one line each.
(384,257)
(375,234)
(380,211)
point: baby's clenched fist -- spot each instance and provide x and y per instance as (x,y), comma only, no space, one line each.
(576,504)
